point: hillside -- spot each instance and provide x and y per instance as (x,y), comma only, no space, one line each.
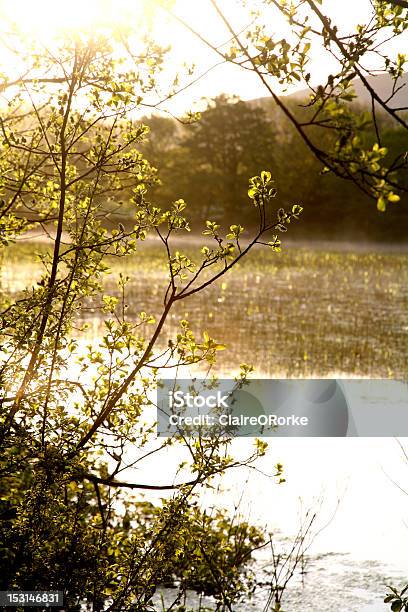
(382,85)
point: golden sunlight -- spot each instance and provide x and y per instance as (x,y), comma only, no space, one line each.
(44,20)
(47,17)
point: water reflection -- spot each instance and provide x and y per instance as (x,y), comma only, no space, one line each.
(304,312)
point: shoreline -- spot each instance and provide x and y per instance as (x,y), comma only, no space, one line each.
(341,246)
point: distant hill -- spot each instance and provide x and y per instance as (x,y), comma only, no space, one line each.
(381,83)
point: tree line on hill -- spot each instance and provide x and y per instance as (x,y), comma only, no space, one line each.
(208,163)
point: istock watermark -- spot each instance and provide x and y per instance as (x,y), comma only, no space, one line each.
(314,408)
(179,399)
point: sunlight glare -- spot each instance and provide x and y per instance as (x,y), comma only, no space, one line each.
(47,17)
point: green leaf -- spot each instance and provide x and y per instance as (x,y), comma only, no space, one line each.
(381,204)
(296,209)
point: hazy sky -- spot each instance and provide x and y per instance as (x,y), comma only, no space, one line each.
(227,78)
(44,17)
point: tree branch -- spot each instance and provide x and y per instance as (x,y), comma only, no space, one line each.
(132,485)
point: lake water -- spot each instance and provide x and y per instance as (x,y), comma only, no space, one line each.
(305,312)
(314,311)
